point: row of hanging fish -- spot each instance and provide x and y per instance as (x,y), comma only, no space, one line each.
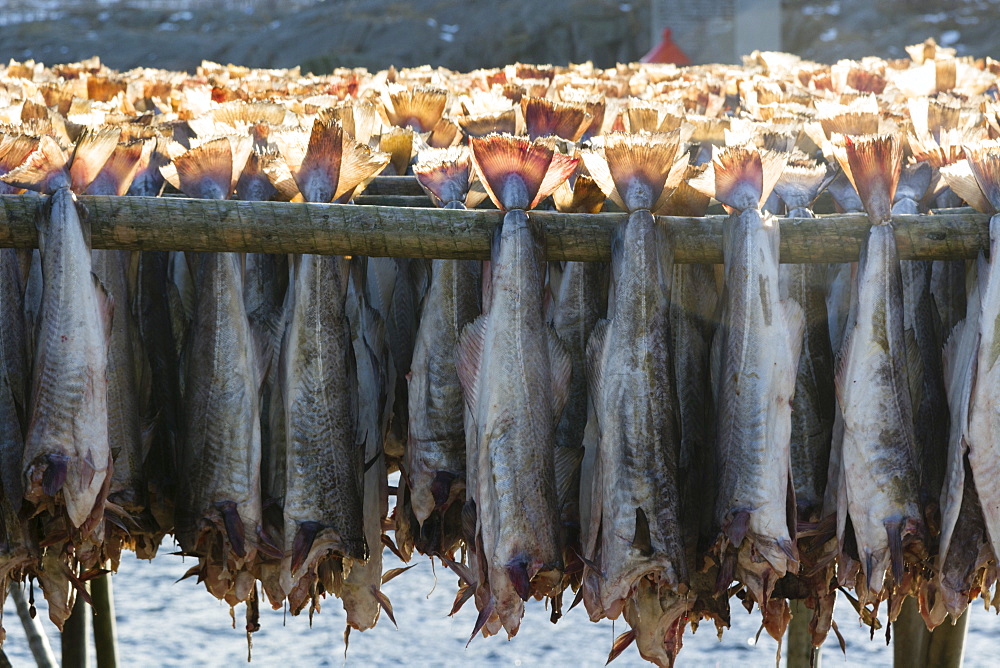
(647,437)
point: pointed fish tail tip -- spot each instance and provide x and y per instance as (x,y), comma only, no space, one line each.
(517,172)
(419,108)
(543,117)
(43,169)
(445,174)
(873,164)
(984,160)
(632,169)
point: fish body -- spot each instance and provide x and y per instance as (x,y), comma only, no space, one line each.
(636,527)
(512,390)
(435,453)
(758,348)
(67,446)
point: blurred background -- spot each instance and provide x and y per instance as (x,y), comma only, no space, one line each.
(465,34)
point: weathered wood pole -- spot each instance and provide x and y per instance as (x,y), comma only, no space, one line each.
(38,642)
(105,636)
(75,634)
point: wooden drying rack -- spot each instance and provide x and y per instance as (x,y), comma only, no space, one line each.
(396,220)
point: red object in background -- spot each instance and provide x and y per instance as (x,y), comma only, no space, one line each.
(666,52)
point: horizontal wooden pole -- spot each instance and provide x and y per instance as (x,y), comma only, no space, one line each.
(394,185)
(175,223)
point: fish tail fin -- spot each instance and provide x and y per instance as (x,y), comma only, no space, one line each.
(480,125)
(419,108)
(239,112)
(14,150)
(800,183)
(962,180)
(91,152)
(637,168)
(873,164)
(254,183)
(543,117)
(850,123)
(43,169)
(119,170)
(399,144)
(445,174)
(585,196)
(484,616)
(741,177)
(518,173)
(686,200)
(206,171)
(984,160)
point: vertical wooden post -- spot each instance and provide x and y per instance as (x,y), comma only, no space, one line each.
(38,642)
(947,644)
(800,652)
(910,637)
(105,635)
(75,634)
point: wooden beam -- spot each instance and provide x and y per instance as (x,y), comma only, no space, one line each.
(176,223)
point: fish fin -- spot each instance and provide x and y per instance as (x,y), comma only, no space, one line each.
(206,171)
(56,471)
(641,540)
(480,125)
(737,526)
(499,158)
(620,644)
(445,174)
(383,602)
(560,367)
(639,165)
(600,172)
(560,168)
(441,487)
(484,616)
(914,367)
(15,150)
(305,536)
(395,572)
(517,572)
(894,531)
(91,151)
(873,164)
(543,117)
(105,306)
(116,175)
(742,177)
(984,162)
(595,357)
(234,526)
(568,461)
(42,170)
(465,592)
(419,108)
(470,356)
(584,197)
(850,123)
(800,183)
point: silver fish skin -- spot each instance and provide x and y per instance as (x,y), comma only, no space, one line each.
(220,472)
(15,376)
(879,477)
(636,498)
(984,404)
(124,401)
(513,398)
(814,405)
(578,303)
(757,351)
(435,453)
(67,442)
(693,303)
(323,465)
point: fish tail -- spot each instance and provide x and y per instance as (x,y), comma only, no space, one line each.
(42,167)
(445,174)
(637,168)
(399,144)
(984,160)
(119,169)
(480,125)
(742,177)
(585,196)
(90,153)
(686,200)
(207,171)
(873,164)
(543,117)
(419,108)
(800,183)
(518,173)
